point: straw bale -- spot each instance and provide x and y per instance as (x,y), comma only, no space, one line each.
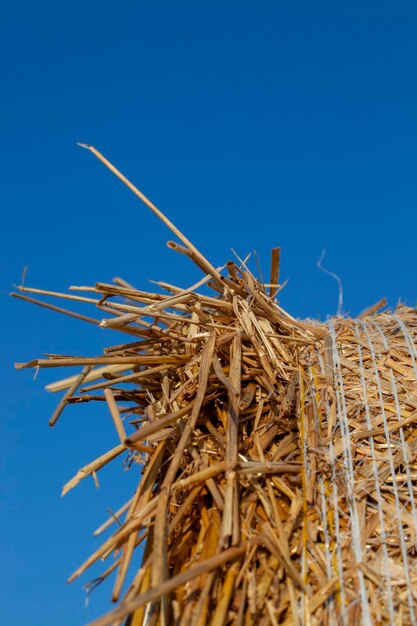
(278,457)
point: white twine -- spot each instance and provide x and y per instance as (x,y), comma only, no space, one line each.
(335,506)
(392,469)
(377,483)
(409,340)
(348,463)
(337,279)
(410,489)
(413,353)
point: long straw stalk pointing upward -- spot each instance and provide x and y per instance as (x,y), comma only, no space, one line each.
(204,264)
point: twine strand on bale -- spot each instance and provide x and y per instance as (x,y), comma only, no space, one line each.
(384,543)
(404,554)
(350,480)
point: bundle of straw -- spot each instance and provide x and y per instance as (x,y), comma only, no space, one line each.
(279,456)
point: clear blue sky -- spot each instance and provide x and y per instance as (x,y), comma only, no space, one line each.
(252,125)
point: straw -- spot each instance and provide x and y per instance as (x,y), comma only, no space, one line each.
(277,457)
